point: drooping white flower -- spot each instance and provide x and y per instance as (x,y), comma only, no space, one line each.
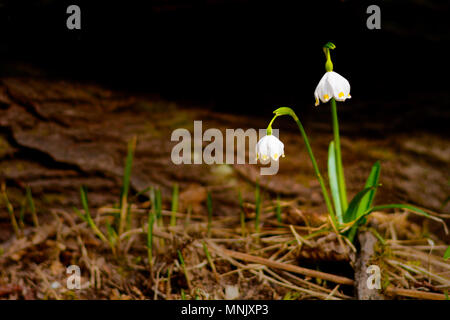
(269,146)
(332,85)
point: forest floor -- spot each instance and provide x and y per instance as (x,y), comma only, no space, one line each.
(57,136)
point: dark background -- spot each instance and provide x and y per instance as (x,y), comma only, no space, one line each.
(241,55)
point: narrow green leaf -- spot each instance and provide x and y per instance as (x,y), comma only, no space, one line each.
(158,205)
(84,202)
(393,206)
(180,258)
(112,235)
(278,210)
(333,178)
(351,213)
(151,222)
(78,212)
(127,170)
(447,253)
(372,181)
(401,206)
(173,218)
(88,217)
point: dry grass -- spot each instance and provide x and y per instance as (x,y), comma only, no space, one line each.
(282,261)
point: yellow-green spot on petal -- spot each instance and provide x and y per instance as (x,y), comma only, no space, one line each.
(326,97)
(341,94)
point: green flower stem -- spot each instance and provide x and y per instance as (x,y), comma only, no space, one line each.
(269,127)
(316,169)
(339,167)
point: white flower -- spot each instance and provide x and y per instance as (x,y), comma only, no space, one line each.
(332,85)
(269,146)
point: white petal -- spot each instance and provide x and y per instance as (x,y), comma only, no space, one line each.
(332,85)
(269,146)
(262,151)
(323,90)
(340,86)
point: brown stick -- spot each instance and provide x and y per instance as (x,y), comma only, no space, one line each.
(415,294)
(287,267)
(367,242)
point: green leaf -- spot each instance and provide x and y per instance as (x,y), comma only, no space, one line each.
(112,235)
(278,210)
(401,206)
(352,211)
(447,253)
(372,181)
(127,170)
(394,206)
(173,217)
(78,212)
(333,178)
(84,202)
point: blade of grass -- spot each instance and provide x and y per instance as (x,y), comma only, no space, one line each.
(88,217)
(126,185)
(278,210)
(158,213)
(334,184)
(210,260)
(173,217)
(183,266)
(112,235)
(10,209)
(29,197)
(158,207)
(151,222)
